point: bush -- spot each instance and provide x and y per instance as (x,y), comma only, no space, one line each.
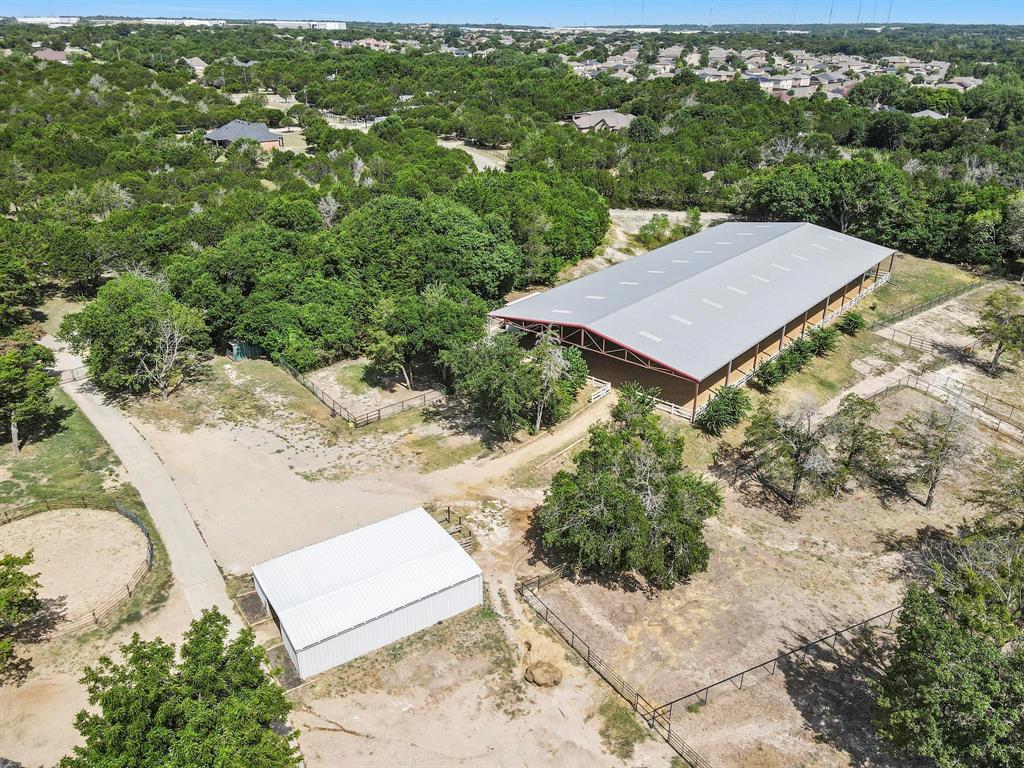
(795,357)
(851,323)
(727,408)
(823,339)
(769,375)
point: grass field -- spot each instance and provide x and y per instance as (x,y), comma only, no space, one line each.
(914,281)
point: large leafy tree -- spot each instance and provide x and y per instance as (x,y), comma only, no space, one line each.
(216,707)
(953,688)
(19,604)
(136,337)
(630,505)
(788,454)
(928,443)
(1001,324)
(25,386)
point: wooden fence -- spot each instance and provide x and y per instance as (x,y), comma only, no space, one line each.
(371,416)
(102,612)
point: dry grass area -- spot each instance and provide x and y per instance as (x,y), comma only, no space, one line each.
(774,582)
(286,473)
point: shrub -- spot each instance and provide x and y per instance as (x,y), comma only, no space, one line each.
(794,357)
(823,339)
(851,323)
(769,375)
(726,409)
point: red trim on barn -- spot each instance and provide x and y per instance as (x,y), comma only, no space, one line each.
(588,329)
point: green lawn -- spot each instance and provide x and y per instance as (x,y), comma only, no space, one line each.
(914,281)
(353,378)
(74,461)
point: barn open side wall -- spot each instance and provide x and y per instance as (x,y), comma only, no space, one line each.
(618,365)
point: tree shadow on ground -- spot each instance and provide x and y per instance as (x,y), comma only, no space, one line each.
(923,546)
(553,559)
(39,628)
(48,427)
(832,691)
(453,416)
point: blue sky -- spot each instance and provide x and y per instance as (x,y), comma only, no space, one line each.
(553,12)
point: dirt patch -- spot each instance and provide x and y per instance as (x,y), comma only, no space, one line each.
(773,583)
(619,246)
(359,391)
(483,159)
(83,556)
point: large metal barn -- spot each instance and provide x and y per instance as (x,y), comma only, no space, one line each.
(346,596)
(706,310)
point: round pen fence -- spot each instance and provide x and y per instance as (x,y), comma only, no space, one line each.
(109,606)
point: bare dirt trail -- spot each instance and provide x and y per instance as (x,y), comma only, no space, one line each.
(193,565)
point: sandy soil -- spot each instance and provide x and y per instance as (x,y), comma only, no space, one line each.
(82,556)
(37,717)
(484,159)
(343,382)
(294,139)
(947,323)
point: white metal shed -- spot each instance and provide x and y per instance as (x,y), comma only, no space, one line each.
(346,596)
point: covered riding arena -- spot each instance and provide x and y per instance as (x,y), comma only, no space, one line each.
(706,310)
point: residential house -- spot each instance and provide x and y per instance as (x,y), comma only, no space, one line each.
(228,134)
(602,120)
(49,54)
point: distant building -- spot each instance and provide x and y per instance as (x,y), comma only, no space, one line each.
(286,24)
(48,54)
(197,64)
(50,21)
(929,113)
(602,120)
(228,134)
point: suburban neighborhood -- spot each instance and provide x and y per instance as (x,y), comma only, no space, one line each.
(389,393)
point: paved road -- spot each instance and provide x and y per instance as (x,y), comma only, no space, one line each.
(193,565)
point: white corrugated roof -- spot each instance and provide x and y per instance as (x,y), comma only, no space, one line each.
(695,304)
(327,588)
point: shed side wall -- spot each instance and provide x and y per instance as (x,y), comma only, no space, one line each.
(390,627)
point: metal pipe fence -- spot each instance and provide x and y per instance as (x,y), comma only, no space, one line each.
(1004,427)
(737,681)
(100,613)
(527,590)
(889,319)
(999,408)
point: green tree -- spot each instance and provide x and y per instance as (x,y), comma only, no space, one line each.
(494,377)
(19,603)
(859,445)
(214,707)
(929,442)
(1001,324)
(136,337)
(953,688)
(630,505)
(25,386)
(643,130)
(998,488)
(787,452)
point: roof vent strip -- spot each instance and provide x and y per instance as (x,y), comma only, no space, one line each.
(682,320)
(711,303)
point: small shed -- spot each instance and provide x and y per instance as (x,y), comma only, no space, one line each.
(355,593)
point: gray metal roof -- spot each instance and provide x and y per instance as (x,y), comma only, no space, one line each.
(241,129)
(695,304)
(330,587)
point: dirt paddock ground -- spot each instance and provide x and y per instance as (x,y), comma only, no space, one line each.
(774,582)
(82,556)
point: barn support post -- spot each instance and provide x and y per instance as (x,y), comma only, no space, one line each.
(803,328)
(861,289)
